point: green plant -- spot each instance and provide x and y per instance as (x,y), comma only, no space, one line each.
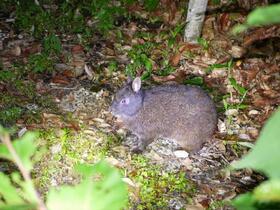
(151,4)
(173,33)
(113,66)
(156,185)
(140,59)
(203,43)
(264,157)
(32,18)
(260,17)
(52,44)
(228,65)
(39,63)
(9,115)
(97,181)
(105,13)
(194,81)
(6,75)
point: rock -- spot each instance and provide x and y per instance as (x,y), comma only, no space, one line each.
(222,126)
(56,148)
(244,136)
(181,154)
(237,51)
(60,66)
(231,112)
(253,112)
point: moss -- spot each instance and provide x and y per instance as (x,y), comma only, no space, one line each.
(157,187)
(9,115)
(218,205)
(64,149)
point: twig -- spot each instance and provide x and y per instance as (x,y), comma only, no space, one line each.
(5,138)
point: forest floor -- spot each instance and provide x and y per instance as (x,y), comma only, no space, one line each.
(63,88)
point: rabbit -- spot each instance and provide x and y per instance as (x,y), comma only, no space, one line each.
(182,113)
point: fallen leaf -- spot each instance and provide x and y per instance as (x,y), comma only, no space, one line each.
(77,49)
(174,60)
(59,79)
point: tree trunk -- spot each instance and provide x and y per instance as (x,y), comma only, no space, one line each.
(195,18)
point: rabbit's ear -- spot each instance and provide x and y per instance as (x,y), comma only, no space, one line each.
(136,84)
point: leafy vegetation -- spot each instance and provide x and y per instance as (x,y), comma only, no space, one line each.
(71,16)
(99,180)
(260,17)
(264,157)
(40,63)
(140,59)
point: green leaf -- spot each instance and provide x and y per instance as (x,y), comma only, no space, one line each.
(259,17)
(241,90)
(108,191)
(264,16)
(194,81)
(203,43)
(265,156)
(239,28)
(216,66)
(8,192)
(244,202)
(246,144)
(151,4)
(268,191)
(52,44)
(18,207)
(25,148)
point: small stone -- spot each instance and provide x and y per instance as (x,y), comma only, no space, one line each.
(244,136)
(56,149)
(89,72)
(60,66)
(237,51)
(121,131)
(16,51)
(154,156)
(53,182)
(222,126)
(181,154)
(231,112)
(253,112)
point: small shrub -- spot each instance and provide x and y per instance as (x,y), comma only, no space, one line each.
(52,45)
(40,63)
